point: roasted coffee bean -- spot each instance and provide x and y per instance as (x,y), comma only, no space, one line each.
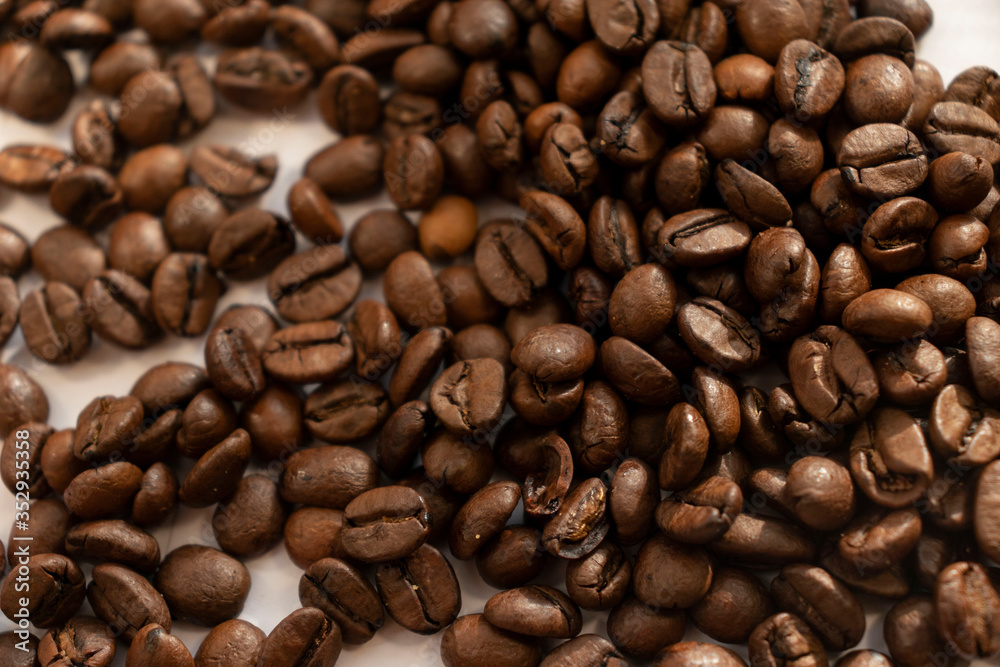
(547,479)
(677,82)
(588,73)
(329,476)
(762,541)
(185,291)
(15,252)
(472,640)
(413,171)
(686,440)
(250,521)
(315,284)
(52,589)
(958,181)
(157,496)
(21,399)
(418,363)
(10,306)
(348,169)
(218,471)
(153,645)
(412,292)
(236,642)
(512,558)
(555,353)
(701,513)
(421,591)
(313,533)
(878,539)
(308,352)
(31,167)
(808,80)
(985,503)
(956,126)
(599,580)
(238,25)
(599,430)
(981,337)
(343,592)
(702,237)
(641,631)
(376,337)
(586,649)
(115,541)
(890,460)
(481,518)
(25,444)
(688,567)
(307,636)
(125,600)
(259,79)
(557,227)
(895,237)
(534,611)
(468,397)
(398,516)
(820,493)
(642,304)
(911,633)
(950,302)
(345,411)
(566,164)
(348,100)
(581,522)
(304,34)
(26,63)
(759,435)
(968,610)
(84,640)
(881,161)
(202,585)
(825,604)
(69,255)
(716,614)
(18,652)
(718,335)
(633,497)
(846,394)
(638,375)
(463,465)
(401,437)
(53,323)
(48,523)
(879,89)
(892,583)
(106,427)
(206,421)
(510,264)
(785,639)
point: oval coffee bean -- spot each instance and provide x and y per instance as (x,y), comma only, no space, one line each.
(421,591)
(535,611)
(387,523)
(343,592)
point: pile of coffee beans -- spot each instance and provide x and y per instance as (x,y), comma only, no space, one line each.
(709,195)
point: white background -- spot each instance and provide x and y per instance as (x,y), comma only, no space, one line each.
(965,33)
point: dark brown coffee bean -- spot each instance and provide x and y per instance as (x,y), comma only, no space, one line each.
(233,364)
(910,374)
(633,497)
(315,284)
(950,302)
(766,27)
(51,590)
(86,196)
(25,64)
(736,603)
(892,583)
(750,197)
(808,80)
(956,126)
(125,600)
(985,501)
(21,399)
(153,645)
(534,611)
(785,639)
(68,255)
(235,642)
(376,337)
(421,591)
(115,541)
(599,580)
(402,436)
(688,569)
(351,168)
(342,592)
(911,633)
(968,610)
(879,89)
(185,291)
(637,374)
(881,161)
(547,479)
(843,396)
(641,631)
(702,237)
(345,411)
(261,80)
(202,585)
(385,524)
(239,25)
(157,496)
(825,604)
(510,264)
(306,637)
(412,292)
(308,352)
(106,426)
(313,533)
(217,473)
(250,521)
(31,167)
(890,461)
(330,476)
(482,517)
(588,649)
(53,323)
(701,513)
(677,82)
(82,639)
(761,541)
(686,440)
(580,523)
(512,558)
(471,640)
(304,34)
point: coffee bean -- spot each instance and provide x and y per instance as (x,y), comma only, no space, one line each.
(52,590)
(202,585)
(21,398)
(750,197)
(825,604)
(642,304)
(314,284)
(512,558)
(250,521)
(307,636)
(581,522)
(328,476)
(481,518)
(15,253)
(881,161)
(348,169)
(18,652)
(155,646)
(702,237)
(584,650)
(86,196)
(633,497)
(313,533)
(850,393)
(677,82)
(115,541)
(599,580)
(785,638)
(641,631)
(472,640)
(701,513)
(879,90)
(26,65)
(125,600)
(53,323)
(345,411)
(547,479)
(237,642)
(808,80)
(956,126)
(820,493)
(911,632)
(764,541)
(82,639)
(421,591)
(260,80)
(345,595)
(556,226)
(718,335)
(68,255)
(535,611)
(31,167)
(966,603)
(308,352)
(887,471)
(185,291)
(717,616)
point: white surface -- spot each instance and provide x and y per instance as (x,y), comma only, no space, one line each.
(964,34)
